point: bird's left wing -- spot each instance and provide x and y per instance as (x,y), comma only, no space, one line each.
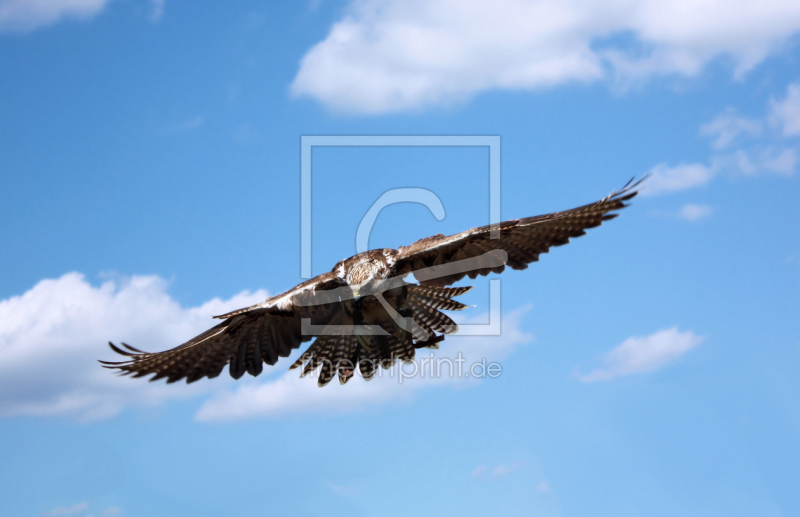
(245,340)
(440,260)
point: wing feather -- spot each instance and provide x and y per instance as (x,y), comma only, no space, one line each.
(522,240)
(245,340)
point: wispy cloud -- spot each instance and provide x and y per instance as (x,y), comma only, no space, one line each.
(689,212)
(71,510)
(758,153)
(786,113)
(25,15)
(288,394)
(80,510)
(664,179)
(347,491)
(757,160)
(643,354)
(395,55)
(504,470)
(726,127)
(157,10)
(485,472)
(60,327)
(692,212)
(741,146)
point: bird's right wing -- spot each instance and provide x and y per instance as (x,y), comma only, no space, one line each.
(245,340)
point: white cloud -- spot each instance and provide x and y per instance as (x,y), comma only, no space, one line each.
(757,152)
(288,394)
(643,354)
(72,510)
(750,161)
(479,470)
(484,472)
(692,212)
(544,488)
(665,179)
(763,153)
(52,336)
(80,509)
(24,15)
(504,470)
(394,55)
(786,113)
(780,160)
(757,160)
(157,10)
(726,127)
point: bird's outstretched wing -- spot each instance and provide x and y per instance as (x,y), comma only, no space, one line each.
(245,340)
(440,260)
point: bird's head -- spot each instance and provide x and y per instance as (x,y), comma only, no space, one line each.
(361,277)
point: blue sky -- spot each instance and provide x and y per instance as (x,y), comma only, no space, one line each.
(150,173)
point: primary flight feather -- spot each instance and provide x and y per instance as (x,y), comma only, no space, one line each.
(363,313)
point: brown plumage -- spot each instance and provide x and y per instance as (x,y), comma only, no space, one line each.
(368,314)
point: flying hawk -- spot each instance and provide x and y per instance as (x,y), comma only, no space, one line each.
(363,313)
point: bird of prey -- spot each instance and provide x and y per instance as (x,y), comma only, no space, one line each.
(363,313)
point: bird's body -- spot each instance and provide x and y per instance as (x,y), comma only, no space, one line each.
(367,272)
(363,313)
